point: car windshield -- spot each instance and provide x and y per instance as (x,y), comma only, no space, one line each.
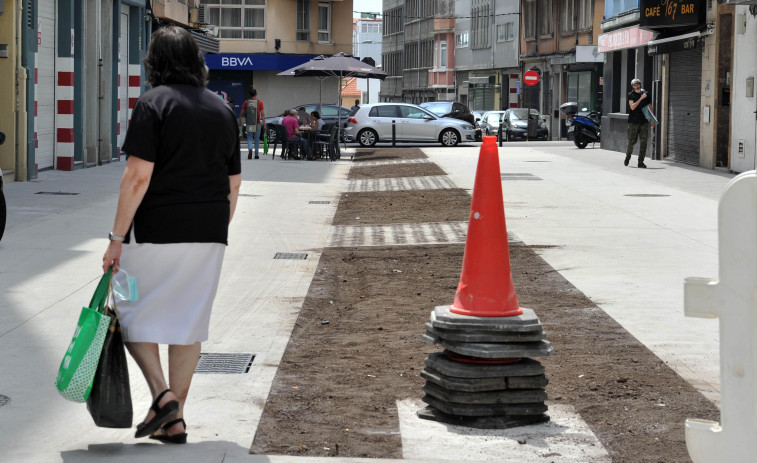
(518,114)
(438,108)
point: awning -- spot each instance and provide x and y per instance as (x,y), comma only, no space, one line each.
(684,42)
(207,44)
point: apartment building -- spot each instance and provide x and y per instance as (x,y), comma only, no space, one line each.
(486,50)
(416,50)
(366,44)
(261,38)
(559,42)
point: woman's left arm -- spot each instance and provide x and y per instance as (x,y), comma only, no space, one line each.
(235,182)
(134,185)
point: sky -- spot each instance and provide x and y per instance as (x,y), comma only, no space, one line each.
(370,6)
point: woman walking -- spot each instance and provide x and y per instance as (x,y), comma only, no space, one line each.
(177,197)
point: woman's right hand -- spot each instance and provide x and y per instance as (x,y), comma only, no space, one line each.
(112,257)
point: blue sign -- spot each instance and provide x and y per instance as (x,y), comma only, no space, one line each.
(255,62)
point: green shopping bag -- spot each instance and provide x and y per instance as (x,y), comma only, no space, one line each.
(265,142)
(77,369)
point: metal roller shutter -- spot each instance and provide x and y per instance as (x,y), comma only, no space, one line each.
(685,89)
(45,89)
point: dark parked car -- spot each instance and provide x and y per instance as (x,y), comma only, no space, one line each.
(329,114)
(515,123)
(455,110)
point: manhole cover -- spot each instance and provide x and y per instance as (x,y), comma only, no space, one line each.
(4,400)
(519,176)
(57,193)
(229,364)
(320,202)
(291,255)
(647,195)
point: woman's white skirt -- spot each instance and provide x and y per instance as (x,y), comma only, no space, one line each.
(177,284)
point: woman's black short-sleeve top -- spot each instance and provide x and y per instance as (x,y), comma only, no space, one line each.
(191,136)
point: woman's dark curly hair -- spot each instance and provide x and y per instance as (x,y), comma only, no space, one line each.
(174,58)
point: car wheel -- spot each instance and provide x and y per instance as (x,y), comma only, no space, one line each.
(3,212)
(367,137)
(449,137)
(271,135)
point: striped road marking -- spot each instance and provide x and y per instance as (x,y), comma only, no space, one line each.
(392,162)
(438,182)
(397,234)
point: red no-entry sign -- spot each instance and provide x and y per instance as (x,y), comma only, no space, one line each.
(531,78)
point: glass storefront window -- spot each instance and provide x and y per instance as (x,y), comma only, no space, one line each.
(579,90)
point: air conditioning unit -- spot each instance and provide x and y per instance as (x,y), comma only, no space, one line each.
(203,14)
(211,30)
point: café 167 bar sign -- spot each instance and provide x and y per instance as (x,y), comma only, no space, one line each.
(671,14)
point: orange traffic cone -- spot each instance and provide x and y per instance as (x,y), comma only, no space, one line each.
(486,286)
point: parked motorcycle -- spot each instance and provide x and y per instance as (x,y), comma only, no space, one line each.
(585,127)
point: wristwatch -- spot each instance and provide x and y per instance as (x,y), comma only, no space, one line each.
(113,237)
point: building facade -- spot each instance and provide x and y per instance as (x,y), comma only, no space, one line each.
(487,49)
(743,139)
(52,53)
(261,38)
(559,43)
(416,50)
(366,43)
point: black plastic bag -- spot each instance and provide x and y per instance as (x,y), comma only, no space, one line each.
(110,400)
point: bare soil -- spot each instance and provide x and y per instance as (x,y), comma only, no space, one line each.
(356,348)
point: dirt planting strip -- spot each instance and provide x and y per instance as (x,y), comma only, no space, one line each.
(356,348)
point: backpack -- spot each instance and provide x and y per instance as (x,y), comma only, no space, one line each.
(252,115)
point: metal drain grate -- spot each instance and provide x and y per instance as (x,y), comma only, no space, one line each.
(320,202)
(4,400)
(291,255)
(225,364)
(57,193)
(249,196)
(647,195)
(519,176)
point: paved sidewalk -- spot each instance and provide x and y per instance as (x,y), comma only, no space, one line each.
(629,254)
(623,236)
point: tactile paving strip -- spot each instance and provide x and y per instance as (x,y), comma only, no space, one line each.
(397,234)
(433,182)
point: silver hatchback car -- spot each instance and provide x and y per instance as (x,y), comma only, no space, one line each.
(372,123)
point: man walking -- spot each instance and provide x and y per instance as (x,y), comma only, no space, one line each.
(638,125)
(255,116)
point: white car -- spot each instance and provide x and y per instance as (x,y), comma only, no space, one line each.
(372,123)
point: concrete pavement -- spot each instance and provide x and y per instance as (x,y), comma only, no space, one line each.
(628,253)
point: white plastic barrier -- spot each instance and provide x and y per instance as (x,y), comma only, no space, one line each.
(733,299)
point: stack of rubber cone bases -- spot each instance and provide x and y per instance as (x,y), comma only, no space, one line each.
(485,378)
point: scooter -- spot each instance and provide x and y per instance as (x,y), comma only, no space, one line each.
(584,127)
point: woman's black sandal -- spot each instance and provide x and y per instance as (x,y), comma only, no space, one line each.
(161,415)
(180,438)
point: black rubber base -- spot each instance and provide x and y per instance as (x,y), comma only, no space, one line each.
(482,422)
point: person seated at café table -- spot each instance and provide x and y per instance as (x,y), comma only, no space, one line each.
(304,118)
(292,126)
(317,121)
